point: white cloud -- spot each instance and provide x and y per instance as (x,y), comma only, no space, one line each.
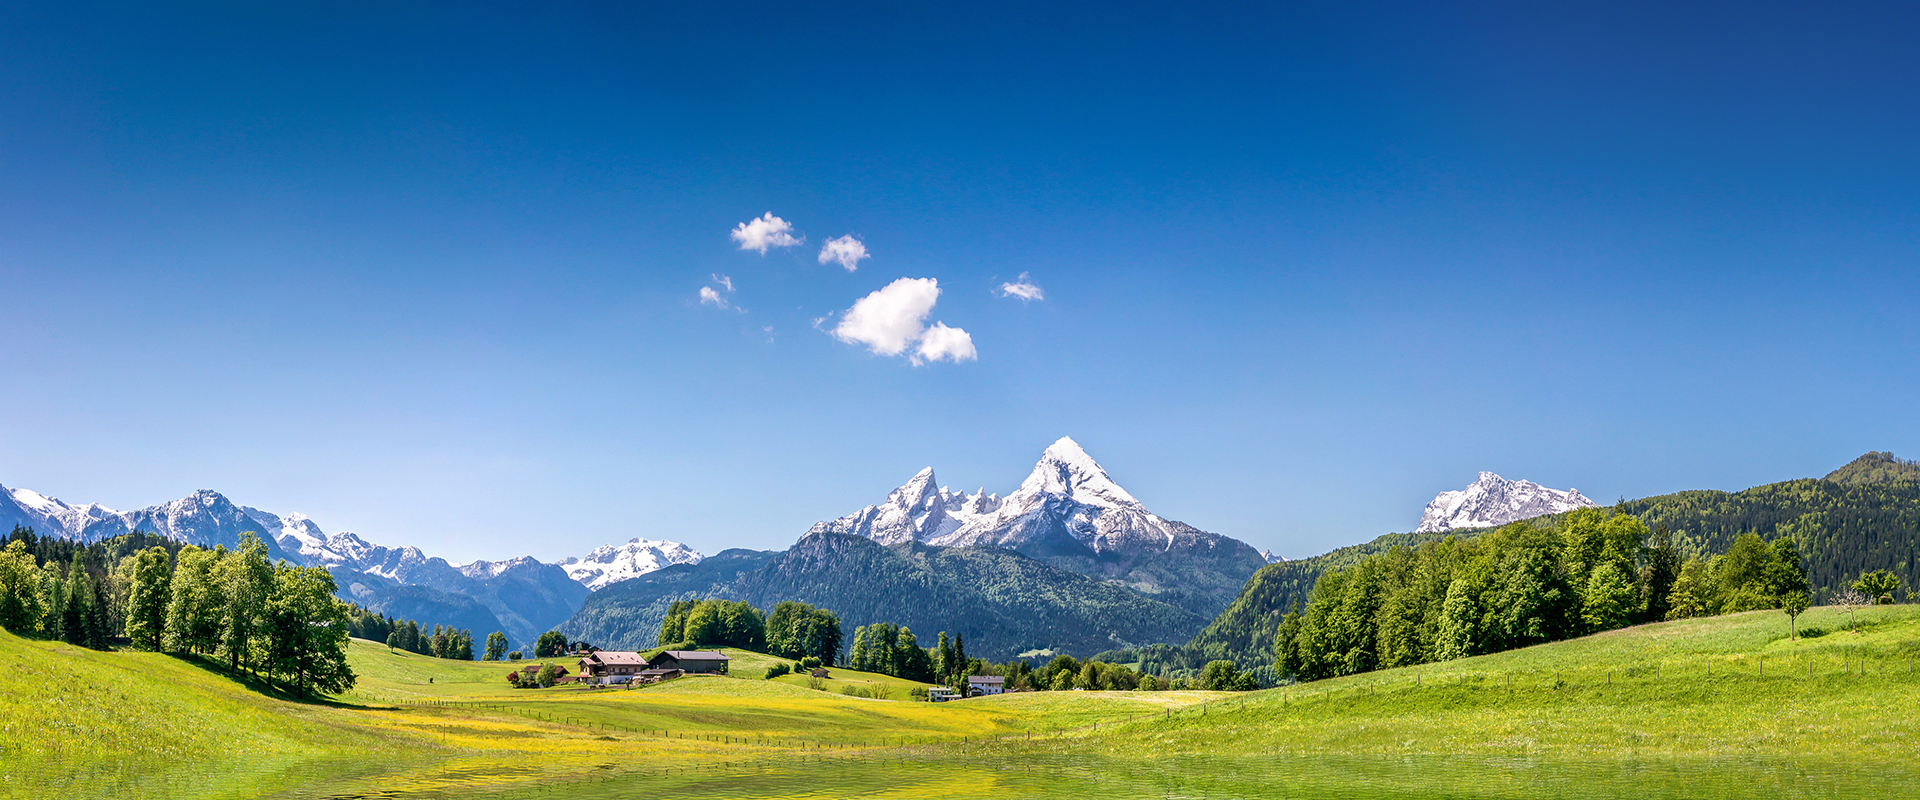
(940,341)
(710,297)
(893,318)
(1022,288)
(846,250)
(767,231)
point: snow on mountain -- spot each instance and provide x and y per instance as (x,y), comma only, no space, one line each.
(917,511)
(204,518)
(48,516)
(610,564)
(1272,557)
(1067,494)
(1492,500)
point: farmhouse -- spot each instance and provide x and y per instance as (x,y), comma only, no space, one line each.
(985,684)
(692,662)
(611,666)
(656,675)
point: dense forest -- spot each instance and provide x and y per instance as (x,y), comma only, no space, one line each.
(1862,517)
(1526,583)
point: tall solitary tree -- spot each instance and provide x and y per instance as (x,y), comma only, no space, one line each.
(148,593)
(496,646)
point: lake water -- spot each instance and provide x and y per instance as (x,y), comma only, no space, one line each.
(908,775)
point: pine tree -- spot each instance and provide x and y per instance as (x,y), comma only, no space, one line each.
(76,617)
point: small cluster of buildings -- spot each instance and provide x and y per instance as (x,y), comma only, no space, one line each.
(616,667)
(977,686)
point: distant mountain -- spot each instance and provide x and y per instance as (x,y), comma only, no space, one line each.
(423,604)
(1876,467)
(627,614)
(1071,514)
(1003,602)
(204,518)
(614,563)
(521,597)
(1492,501)
(526,596)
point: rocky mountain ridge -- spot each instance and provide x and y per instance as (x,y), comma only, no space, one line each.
(1491,501)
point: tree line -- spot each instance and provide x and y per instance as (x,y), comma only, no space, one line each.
(233,605)
(1522,584)
(793,630)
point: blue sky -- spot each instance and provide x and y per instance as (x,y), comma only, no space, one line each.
(433,274)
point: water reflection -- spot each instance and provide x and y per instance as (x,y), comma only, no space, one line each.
(909,775)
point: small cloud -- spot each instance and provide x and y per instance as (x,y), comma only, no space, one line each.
(940,341)
(768,330)
(710,297)
(846,250)
(1022,288)
(893,318)
(765,232)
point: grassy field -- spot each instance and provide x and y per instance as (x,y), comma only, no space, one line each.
(81,723)
(1727,686)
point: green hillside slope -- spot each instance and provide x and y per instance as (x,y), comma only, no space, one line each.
(1735,685)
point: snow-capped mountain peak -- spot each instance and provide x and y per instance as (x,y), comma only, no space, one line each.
(1492,500)
(1065,470)
(610,564)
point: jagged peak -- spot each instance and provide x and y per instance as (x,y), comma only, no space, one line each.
(1066,470)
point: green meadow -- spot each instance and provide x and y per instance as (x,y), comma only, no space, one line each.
(1652,711)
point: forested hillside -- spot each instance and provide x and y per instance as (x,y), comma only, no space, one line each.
(1843,529)
(628,614)
(1003,602)
(1862,517)
(1244,632)
(1876,468)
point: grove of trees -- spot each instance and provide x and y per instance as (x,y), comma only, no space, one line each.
(236,606)
(1523,584)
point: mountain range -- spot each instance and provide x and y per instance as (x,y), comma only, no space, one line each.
(1069,561)
(521,597)
(1069,513)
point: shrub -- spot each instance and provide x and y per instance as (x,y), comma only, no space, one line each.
(810,662)
(513,656)
(777,670)
(513,679)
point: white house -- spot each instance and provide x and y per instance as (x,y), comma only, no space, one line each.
(985,684)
